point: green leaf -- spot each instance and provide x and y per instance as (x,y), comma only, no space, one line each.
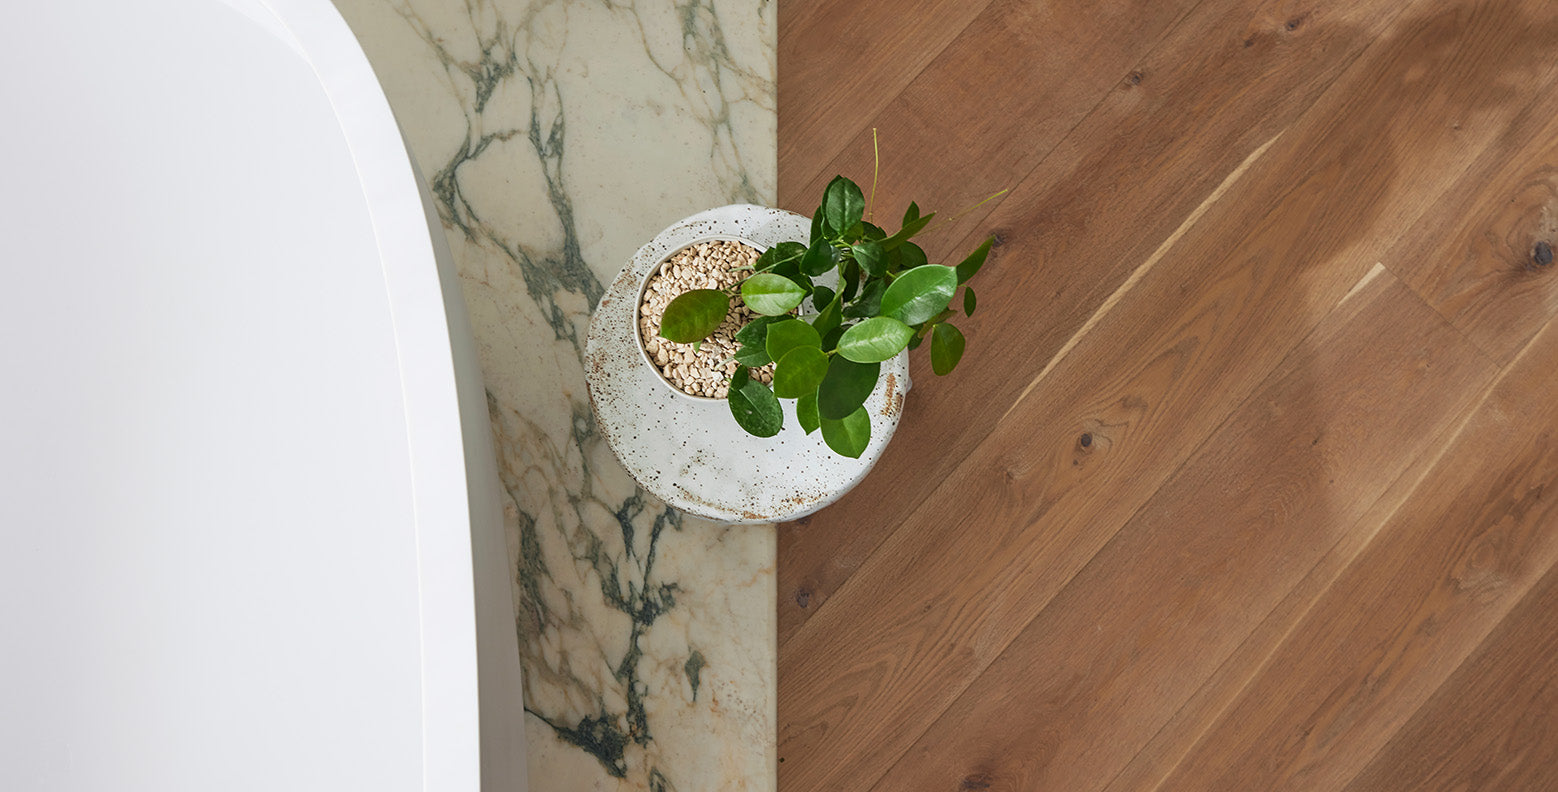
(870,302)
(975,260)
(872,341)
(819,226)
(754,342)
(849,436)
(850,279)
(819,258)
(946,349)
(969,301)
(827,320)
(799,372)
(772,295)
(830,339)
(845,387)
(754,405)
(912,214)
(909,229)
(806,412)
(693,315)
(911,256)
(919,294)
(869,255)
(782,253)
(915,342)
(843,205)
(789,334)
(821,296)
(874,232)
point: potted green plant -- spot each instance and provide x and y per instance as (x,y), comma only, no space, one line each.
(826,343)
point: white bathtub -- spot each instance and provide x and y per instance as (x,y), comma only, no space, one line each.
(249,532)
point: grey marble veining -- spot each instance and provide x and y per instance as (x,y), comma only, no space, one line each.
(558,136)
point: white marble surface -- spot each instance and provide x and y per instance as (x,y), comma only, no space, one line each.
(559,136)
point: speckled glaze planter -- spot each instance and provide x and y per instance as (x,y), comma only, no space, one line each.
(688,450)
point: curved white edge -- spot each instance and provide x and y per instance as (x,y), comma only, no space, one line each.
(469,655)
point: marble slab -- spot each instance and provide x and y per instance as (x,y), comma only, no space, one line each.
(558,136)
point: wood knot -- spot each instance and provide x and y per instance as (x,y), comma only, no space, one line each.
(976,781)
(1294,23)
(1542,255)
(1135,77)
(1086,440)
(802,597)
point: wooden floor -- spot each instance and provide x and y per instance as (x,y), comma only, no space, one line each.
(1244,481)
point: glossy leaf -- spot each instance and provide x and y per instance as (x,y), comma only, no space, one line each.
(975,260)
(874,232)
(819,258)
(910,256)
(870,302)
(919,294)
(830,339)
(850,278)
(769,294)
(754,406)
(819,226)
(849,436)
(806,412)
(909,229)
(780,254)
(843,205)
(754,342)
(799,372)
(912,213)
(788,334)
(946,349)
(821,296)
(969,301)
(845,387)
(869,255)
(694,315)
(872,341)
(827,320)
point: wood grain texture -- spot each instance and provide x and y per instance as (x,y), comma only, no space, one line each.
(1122,167)
(1264,316)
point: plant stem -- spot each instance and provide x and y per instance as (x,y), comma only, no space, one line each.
(875,169)
(960,215)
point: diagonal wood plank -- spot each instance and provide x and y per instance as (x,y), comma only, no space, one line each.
(1454,560)
(1495,278)
(1494,724)
(842,69)
(1133,174)
(1067,54)
(1174,593)
(1147,384)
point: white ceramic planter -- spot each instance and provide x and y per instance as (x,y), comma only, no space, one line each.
(688,450)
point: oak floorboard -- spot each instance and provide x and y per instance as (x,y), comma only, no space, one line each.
(841,70)
(1494,724)
(1496,278)
(1176,591)
(1123,182)
(1161,259)
(1451,563)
